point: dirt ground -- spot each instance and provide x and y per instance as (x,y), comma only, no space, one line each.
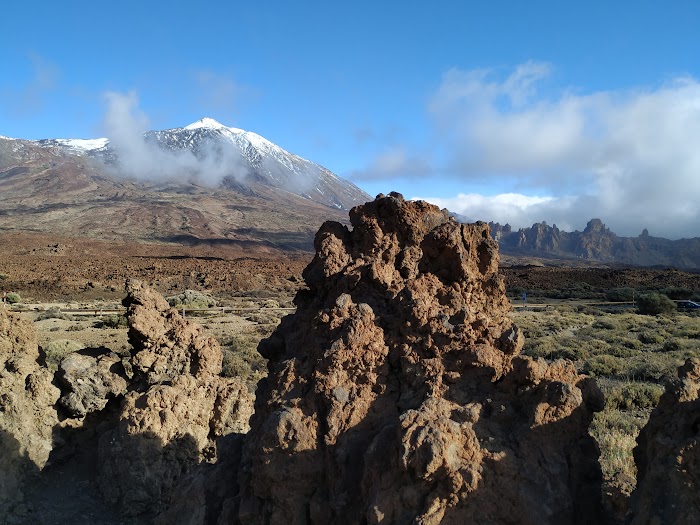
(46,269)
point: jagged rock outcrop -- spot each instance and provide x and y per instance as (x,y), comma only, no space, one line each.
(396,393)
(89,379)
(164,344)
(27,413)
(178,406)
(597,243)
(668,455)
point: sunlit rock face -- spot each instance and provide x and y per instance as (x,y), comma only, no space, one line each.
(397,394)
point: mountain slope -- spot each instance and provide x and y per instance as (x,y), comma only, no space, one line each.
(210,152)
(72,187)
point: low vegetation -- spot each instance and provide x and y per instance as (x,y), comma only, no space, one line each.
(56,350)
(13,298)
(53,313)
(192,299)
(631,354)
(114,321)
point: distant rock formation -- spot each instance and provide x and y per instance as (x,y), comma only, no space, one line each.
(27,413)
(597,243)
(396,393)
(668,455)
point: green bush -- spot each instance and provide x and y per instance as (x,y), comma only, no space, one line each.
(13,298)
(655,303)
(603,365)
(113,321)
(634,396)
(56,350)
(241,359)
(672,345)
(605,324)
(653,367)
(651,338)
(619,295)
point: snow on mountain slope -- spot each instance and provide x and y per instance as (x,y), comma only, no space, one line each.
(79,146)
(238,158)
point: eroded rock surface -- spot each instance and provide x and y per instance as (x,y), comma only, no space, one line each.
(89,379)
(396,393)
(164,344)
(170,421)
(27,413)
(668,455)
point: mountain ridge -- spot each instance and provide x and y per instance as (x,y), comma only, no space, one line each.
(597,243)
(80,187)
(207,147)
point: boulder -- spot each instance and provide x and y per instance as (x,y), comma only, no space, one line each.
(667,454)
(396,392)
(89,379)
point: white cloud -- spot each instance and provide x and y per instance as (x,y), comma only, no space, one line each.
(125,123)
(629,157)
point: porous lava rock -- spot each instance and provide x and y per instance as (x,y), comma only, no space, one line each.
(668,455)
(165,344)
(89,379)
(396,393)
(176,410)
(27,413)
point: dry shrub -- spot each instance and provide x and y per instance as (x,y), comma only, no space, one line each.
(54,313)
(56,350)
(192,299)
(633,396)
(241,358)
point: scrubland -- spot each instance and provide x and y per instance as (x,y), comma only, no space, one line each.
(631,356)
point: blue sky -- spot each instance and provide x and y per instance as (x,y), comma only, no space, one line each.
(502,110)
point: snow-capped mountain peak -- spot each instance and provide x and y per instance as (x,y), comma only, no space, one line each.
(207,123)
(214,151)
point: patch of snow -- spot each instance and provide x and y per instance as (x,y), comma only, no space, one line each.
(83,144)
(206,123)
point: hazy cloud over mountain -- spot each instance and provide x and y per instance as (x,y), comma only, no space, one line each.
(125,124)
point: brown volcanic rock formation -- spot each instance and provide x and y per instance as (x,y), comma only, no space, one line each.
(178,408)
(396,393)
(164,344)
(668,455)
(27,413)
(89,379)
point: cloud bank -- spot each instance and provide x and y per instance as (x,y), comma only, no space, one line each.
(628,157)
